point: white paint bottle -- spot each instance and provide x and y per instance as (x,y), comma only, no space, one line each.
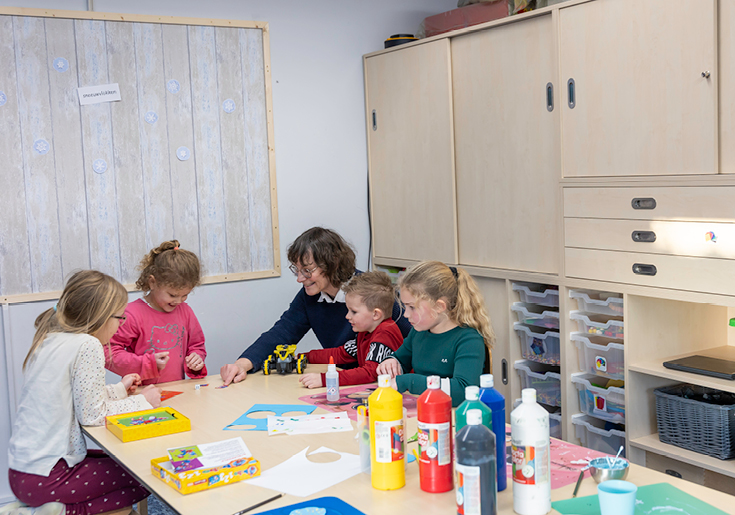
(332,380)
(529,434)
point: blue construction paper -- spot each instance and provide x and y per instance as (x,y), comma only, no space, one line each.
(333,505)
(173,86)
(410,457)
(261,424)
(41,146)
(99,166)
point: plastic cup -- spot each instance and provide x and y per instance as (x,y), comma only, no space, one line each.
(617,497)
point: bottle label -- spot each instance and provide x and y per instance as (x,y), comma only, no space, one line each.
(468,490)
(530,464)
(434,443)
(388,441)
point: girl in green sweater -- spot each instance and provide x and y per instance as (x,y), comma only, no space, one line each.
(451,333)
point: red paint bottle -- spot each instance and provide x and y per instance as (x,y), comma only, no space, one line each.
(435,438)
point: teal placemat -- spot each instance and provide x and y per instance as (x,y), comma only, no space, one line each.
(661,499)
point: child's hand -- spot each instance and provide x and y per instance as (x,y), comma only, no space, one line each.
(161,359)
(152,395)
(131,382)
(394,384)
(311,380)
(195,362)
(390,366)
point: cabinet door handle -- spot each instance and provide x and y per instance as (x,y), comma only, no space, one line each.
(549,97)
(375,120)
(643,236)
(641,269)
(643,203)
(504,370)
(571,93)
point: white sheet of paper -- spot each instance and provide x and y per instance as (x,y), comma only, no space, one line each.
(309,424)
(300,477)
(217,454)
(98,94)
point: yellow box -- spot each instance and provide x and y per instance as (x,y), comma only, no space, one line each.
(139,424)
(192,481)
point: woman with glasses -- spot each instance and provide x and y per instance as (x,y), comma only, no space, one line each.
(322,262)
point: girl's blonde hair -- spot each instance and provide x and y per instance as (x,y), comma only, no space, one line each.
(89,299)
(433,280)
(169,265)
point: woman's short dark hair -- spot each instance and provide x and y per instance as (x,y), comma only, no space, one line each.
(329,251)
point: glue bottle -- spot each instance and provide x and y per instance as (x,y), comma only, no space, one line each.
(387,447)
(472,401)
(496,402)
(435,438)
(477,489)
(529,434)
(332,378)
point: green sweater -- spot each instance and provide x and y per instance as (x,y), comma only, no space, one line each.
(458,354)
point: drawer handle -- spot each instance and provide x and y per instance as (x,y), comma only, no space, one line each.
(549,97)
(643,236)
(375,120)
(571,94)
(643,203)
(673,473)
(641,269)
(504,369)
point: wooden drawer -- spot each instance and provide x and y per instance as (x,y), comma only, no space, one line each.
(711,203)
(705,275)
(695,239)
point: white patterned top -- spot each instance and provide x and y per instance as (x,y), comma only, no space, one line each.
(64,388)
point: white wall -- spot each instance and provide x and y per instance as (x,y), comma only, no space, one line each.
(321,163)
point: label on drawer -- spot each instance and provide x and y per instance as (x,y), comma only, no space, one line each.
(600,364)
(600,404)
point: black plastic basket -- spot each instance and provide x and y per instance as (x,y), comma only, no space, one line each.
(697,418)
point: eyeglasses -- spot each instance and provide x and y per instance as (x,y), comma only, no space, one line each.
(122,319)
(303,271)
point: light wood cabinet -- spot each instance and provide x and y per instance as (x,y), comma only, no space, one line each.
(726,56)
(506,146)
(644,88)
(410,133)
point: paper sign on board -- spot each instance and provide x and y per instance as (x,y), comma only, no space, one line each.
(99,94)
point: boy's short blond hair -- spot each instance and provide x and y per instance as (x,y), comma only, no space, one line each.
(375,289)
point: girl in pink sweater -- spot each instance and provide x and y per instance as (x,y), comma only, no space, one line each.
(161,340)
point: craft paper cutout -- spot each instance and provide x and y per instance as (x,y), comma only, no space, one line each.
(309,424)
(3,98)
(351,398)
(61,64)
(301,477)
(41,146)
(151,117)
(261,423)
(312,510)
(167,394)
(228,105)
(183,153)
(332,505)
(99,166)
(173,86)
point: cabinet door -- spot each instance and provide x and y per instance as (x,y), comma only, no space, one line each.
(645,88)
(727,85)
(412,189)
(507,147)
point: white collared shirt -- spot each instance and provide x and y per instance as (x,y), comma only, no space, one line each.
(340,297)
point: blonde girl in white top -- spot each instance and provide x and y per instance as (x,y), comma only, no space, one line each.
(51,472)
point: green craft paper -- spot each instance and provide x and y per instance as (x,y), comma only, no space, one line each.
(661,499)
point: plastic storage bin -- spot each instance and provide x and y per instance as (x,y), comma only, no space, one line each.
(599,400)
(537,316)
(598,302)
(593,435)
(697,418)
(599,324)
(538,294)
(540,377)
(554,418)
(539,345)
(600,356)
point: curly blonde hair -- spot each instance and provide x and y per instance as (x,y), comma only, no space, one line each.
(433,280)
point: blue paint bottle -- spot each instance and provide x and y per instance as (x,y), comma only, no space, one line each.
(496,402)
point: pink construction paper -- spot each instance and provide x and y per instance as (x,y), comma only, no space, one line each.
(351,398)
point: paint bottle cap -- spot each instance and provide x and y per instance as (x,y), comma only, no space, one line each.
(528,395)
(433,382)
(331,367)
(384,381)
(472,393)
(474,417)
(487,381)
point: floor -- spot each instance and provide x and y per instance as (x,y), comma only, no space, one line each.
(156,507)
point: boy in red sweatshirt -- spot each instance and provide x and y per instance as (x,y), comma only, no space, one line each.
(369,298)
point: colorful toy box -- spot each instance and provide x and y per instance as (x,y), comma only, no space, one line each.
(147,424)
(197,480)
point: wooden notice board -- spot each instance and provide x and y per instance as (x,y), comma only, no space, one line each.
(186,153)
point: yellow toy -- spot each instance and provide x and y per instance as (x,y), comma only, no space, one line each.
(284,361)
(147,424)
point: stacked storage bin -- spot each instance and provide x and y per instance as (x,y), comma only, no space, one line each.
(600,348)
(538,331)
